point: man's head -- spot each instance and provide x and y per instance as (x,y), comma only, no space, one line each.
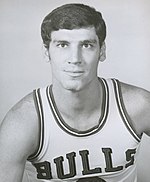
(73,16)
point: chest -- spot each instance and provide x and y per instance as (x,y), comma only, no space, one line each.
(69,157)
(107,150)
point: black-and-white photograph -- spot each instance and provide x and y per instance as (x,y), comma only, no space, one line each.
(75,91)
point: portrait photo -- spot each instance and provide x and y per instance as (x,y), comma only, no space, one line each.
(35,38)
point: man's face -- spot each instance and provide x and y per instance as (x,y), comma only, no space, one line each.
(74,57)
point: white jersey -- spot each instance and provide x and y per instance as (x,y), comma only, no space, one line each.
(106,152)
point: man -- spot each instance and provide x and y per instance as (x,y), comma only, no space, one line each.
(81,128)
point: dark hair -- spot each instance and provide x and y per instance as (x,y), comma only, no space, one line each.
(72,16)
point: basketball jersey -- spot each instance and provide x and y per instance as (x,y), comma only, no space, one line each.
(106,152)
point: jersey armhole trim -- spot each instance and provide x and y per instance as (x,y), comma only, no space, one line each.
(39,109)
(122,109)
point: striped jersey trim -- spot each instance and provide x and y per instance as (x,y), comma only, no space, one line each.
(122,109)
(38,105)
(75,132)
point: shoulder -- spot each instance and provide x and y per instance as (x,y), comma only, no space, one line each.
(132,93)
(137,104)
(22,112)
(25,108)
(20,123)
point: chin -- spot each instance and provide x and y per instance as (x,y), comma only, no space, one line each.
(73,86)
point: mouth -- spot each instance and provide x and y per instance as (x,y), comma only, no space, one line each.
(76,73)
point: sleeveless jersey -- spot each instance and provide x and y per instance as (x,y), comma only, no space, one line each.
(106,152)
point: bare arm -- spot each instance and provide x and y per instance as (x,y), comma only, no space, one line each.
(137,104)
(18,139)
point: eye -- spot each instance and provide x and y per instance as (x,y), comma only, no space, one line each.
(87,45)
(62,45)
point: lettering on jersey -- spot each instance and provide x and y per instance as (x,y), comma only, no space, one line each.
(44,168)
(91,179)
(85,162)
(130,157)
(108,159)
(59,165)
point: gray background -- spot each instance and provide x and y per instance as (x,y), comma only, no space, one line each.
(24,65)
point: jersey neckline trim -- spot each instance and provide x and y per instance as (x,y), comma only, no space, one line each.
(60,121)
(122,109)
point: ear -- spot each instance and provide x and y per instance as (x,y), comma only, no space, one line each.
(102,56)
(47,55)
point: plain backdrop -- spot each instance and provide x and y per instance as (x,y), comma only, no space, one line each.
(24,65)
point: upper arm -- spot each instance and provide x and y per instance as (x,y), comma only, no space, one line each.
(137,104)
(17,141)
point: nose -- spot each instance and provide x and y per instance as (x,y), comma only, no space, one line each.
(75,55)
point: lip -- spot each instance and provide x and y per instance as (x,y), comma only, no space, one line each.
(72,73)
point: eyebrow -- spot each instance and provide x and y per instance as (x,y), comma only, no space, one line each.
(60,41)
(91,41)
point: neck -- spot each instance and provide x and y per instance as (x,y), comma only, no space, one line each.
(75,102)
